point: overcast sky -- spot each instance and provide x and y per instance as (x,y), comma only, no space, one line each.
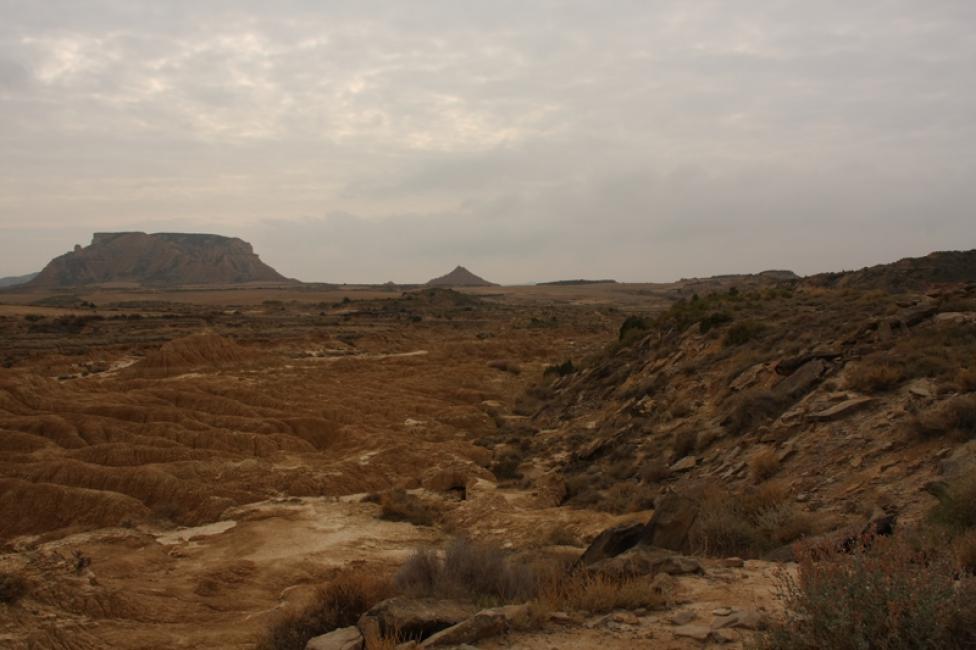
(528,140)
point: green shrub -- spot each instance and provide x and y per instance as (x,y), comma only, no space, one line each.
(631,327)
(713,320)
(890,597)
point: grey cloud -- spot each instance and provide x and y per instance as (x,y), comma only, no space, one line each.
(376,140)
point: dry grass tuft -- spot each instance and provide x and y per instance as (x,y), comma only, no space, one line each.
(338,604)
(964,548)
(955,417)
(598,594)
(874,378)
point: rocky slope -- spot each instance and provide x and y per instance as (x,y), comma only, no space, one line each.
(909,274)
(156,260)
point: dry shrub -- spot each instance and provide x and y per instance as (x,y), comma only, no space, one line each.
(684,443)
(597,594)
(749,524)
(336,605)
(763,464)
(966,379)
(957,503)
(468,570)
(13,587)
(891,596)
(955,417)
(874,378)
(562,535)
(751,408)
(398,505)
(505,365)
(627,496)
(964,548)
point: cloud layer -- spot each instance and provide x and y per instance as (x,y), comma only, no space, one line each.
(371,141)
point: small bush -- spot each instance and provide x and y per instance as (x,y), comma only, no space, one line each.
(560,369)
(338,604)
(888,597)
(562,535)
(874,378)
(13,587)
(505,365)
(741,333)
(632,328)
(627,496)
(713,320)
(398,505)
(955,417)
(763,464)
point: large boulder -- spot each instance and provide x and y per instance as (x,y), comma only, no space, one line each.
(412,618)
(612,542)
(646,561)
(804,378)
(346,638)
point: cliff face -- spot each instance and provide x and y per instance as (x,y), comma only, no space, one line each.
(159,259)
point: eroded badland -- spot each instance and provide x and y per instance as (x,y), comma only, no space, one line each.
(193,469)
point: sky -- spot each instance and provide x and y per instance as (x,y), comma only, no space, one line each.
(528,140)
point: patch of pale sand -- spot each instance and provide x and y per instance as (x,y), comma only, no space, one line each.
(324,530)
(187,534)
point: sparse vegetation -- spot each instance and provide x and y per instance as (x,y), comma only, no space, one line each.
(749,409)
(874,378)
(13,587)
(748,524)
(469,571)
(956,508)
(399,505)
(560,369)
(742,333)
(763,464)
(506,365)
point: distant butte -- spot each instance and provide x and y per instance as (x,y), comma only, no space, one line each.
(161,259)
(460,277)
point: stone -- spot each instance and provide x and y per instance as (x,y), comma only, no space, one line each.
(673,517)
(416,618)
(722,611)
(612,542)
(486,623)
(840,410)
(346,638)
(625,618)
(723,636)
(745,620)
(696,632)
(685,464)
(733,563)
(802,379)
(683,617)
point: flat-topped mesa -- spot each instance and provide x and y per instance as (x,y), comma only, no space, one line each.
(160,259)
(460,277)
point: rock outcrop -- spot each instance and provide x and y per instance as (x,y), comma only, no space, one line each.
(460,277)
(162,259)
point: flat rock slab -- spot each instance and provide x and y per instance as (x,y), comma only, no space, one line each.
(840,410)
(346,638)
